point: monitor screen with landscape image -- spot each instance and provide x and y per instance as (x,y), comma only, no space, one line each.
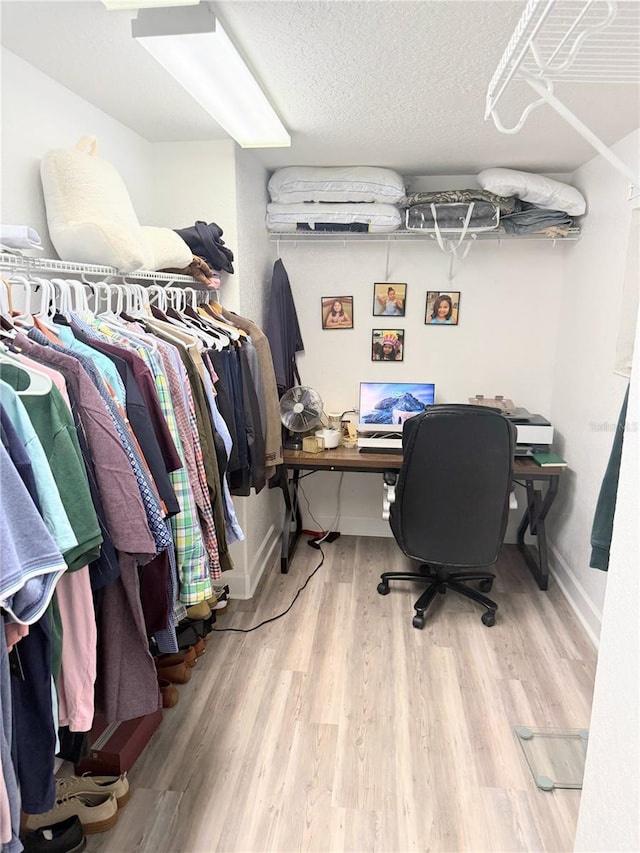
(385,406)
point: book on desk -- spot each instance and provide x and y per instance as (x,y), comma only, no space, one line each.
(549,460)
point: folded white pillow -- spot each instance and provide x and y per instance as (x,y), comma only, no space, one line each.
(89,212)
(167,249)
(378,217)
(294,184)
(536,189)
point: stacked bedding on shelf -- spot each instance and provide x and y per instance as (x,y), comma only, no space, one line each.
(355,198)
(508,202)
(546,205)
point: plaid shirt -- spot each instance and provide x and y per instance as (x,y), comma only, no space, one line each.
(185,415)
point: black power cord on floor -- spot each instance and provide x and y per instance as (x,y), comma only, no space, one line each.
(280,615)
(329,536)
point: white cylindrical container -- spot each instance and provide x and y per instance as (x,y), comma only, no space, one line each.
(331,437)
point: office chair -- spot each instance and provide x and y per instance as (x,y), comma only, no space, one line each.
(452,502)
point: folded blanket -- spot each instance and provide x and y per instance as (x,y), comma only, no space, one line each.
(532,219)
(19,237)
(505,204)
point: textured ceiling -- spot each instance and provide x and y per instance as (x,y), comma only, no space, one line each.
(397,83)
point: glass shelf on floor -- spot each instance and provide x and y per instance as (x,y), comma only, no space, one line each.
(556,757)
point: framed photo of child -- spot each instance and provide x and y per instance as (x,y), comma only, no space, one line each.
(389,299)
(387,344)
(443,308)
(337,312)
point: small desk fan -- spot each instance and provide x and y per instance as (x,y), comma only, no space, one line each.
(301,410)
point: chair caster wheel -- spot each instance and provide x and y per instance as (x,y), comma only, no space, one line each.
(418,621)
(489,618)
(383,588)
(485,586)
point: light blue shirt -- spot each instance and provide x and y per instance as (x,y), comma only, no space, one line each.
(51,506)
(102,362)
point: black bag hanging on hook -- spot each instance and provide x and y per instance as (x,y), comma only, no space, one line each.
(206,242)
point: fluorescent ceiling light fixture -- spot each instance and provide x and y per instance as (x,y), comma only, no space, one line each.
(145,4)
(194,48)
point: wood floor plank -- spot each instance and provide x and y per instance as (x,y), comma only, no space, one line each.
(144,826)
(339,727)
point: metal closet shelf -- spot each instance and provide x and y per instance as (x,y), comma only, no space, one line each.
(576,41)
(24,263)
(402,235)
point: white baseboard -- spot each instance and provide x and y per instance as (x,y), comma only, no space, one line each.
(585,610)
(243,585)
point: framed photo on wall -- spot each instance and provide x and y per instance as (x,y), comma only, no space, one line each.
(337,312)
(387,344)
(443,308)
(389,299)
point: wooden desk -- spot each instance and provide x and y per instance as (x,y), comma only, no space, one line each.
(525,472)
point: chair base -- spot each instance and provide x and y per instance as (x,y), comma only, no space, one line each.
(440,581)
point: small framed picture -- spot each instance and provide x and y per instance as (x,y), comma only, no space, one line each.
(387,344)
(389,299)
(443,308)
(337,312)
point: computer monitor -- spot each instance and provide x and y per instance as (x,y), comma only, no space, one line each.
(385,406)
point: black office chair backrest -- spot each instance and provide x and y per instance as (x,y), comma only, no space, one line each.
(452,496)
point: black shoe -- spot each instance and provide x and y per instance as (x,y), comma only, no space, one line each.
(64,837)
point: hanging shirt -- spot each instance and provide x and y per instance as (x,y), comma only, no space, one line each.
(282,330)
(195,565)
(147,491)
(49,500)
(30,562)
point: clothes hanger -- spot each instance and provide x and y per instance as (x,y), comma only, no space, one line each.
(39,383)
(210,318)
(23,315)
(109,315)
(160,296)
(6,302)
(211,338)
(126,299)
(62,296)
(47,301)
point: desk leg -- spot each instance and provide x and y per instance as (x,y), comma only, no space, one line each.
(290,534)
(534,519)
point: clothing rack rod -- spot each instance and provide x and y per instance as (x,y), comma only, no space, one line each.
(9,261)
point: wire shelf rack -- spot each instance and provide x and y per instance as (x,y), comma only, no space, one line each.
(573,41)
(24,263)
(413,236)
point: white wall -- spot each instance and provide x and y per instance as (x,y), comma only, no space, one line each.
(610,801)
(504,344)
(39,114)
(192,181)
(587,394)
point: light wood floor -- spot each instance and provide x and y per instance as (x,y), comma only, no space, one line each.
(340,727)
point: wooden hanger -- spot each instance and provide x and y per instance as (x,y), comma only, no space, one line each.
(9,301)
